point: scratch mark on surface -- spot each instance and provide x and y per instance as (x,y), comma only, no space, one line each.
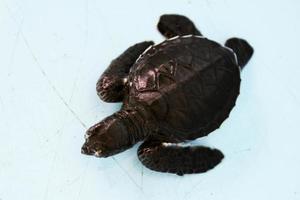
(85,42)
(70,183)
(191,190)
(142,177)
(83,179)
(283,85)
(242,150)
(105,28)
(126,172)
(208,4)
(73,181)
(294,96)
(50,175)
(12,56)
(226,3)
(74,87)
(1,103)
(51,84)
(86,21)
(44,73)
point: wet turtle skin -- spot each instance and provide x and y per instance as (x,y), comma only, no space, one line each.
(172,92)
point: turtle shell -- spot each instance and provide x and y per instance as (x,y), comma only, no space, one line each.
(189,83)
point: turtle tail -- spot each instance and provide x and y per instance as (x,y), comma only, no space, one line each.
(164,157)
(242,49)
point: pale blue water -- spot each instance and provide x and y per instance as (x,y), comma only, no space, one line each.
(52,53)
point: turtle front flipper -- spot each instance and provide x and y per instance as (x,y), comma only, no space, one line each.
(176,25)
(110,86)
(172,158)
(241,48)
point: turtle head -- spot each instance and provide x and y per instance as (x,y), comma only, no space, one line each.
(106,138)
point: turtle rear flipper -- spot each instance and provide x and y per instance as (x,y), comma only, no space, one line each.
(110,86)
(242,49)
(176,25)
(172,158)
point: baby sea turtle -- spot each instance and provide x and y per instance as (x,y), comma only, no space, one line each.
(172,92)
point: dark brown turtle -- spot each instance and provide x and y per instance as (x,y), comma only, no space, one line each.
(172,92)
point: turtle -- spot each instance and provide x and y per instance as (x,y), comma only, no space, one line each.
(173,92)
